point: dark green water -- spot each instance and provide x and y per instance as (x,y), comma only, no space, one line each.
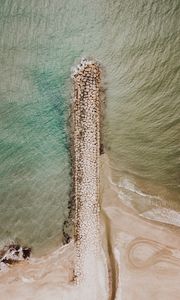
(138,44)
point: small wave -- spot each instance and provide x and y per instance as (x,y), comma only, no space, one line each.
(130,186)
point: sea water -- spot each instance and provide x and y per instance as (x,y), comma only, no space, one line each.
(137,43)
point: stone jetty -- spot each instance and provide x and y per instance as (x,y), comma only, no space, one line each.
(86,151)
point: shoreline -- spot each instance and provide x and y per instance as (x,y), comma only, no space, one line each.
(144,251)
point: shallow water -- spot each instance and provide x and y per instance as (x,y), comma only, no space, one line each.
(138,45)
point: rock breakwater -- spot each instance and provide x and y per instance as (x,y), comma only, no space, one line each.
(12,254)
(86,151)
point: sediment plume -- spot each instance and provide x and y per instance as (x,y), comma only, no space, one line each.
(86,152)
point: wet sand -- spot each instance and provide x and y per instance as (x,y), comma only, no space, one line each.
(145,253)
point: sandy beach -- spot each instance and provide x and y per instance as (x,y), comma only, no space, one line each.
(144,254)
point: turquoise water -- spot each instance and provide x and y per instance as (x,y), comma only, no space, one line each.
(138,45)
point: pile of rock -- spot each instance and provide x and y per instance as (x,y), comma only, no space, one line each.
(86,150)
(12,254)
